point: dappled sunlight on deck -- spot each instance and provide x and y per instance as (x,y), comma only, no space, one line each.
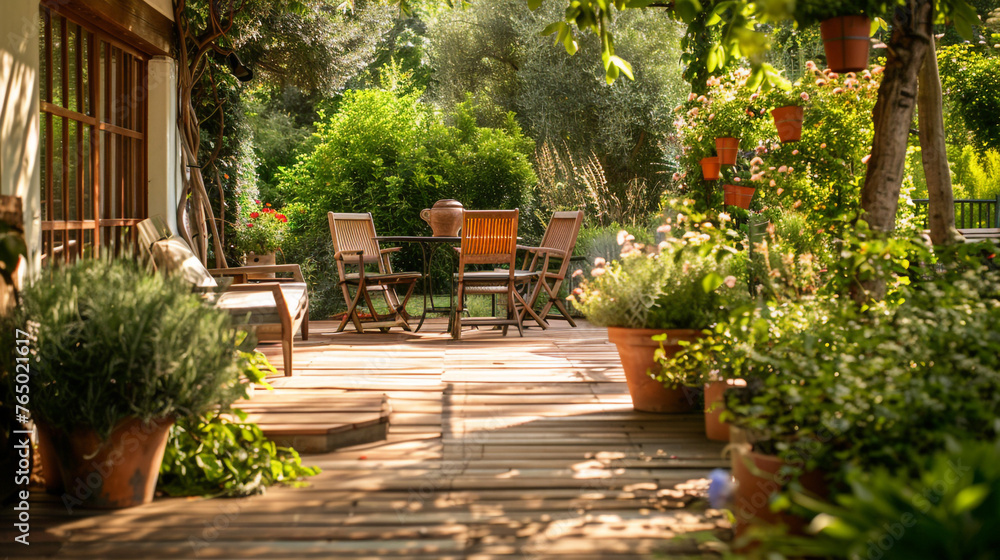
(497,447)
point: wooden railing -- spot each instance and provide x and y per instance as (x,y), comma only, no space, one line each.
(969,212)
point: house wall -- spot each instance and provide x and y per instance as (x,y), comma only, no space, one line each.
(20,161)
(19,121)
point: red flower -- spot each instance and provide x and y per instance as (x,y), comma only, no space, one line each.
(255,215)
(250,224)
(257,201)
(282,217)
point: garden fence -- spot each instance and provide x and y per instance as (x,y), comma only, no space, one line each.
(969,212)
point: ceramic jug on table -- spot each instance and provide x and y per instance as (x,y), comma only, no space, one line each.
(445,217)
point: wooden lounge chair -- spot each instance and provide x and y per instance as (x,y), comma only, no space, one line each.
(274,310)
(551,260)
(489,237)
(355,245)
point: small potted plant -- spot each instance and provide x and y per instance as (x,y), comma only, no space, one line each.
(259,233)
(729,119)
(738,187)
(119,353)
(845,28)
(653,299)
(788,108)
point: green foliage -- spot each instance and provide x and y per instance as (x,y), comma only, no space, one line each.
(114,340)
(820,175)
(831,385)
(494,51)
(387,153)
(949,508)
(674,285)
(977,175)
(215,456)
(971,84)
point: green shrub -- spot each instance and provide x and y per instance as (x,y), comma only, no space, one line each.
(387,153)
(949,508)
(114,340)
(971,84)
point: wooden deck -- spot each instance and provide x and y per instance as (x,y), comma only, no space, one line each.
(497,448)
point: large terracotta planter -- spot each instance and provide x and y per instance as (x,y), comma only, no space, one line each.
(253,259)
(845,41)
(636,348)
(116,473)
(715,403)
(735,195)
(445,217)
(710,167)
(757,480)
(727,147)
(788,121)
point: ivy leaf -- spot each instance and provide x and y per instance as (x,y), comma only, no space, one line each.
(969,498)
(711,282)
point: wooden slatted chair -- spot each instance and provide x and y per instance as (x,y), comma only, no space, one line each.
(489,237)
(551,260)
(355,245)
(274,310)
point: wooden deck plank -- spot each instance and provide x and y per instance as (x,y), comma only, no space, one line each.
(495,448)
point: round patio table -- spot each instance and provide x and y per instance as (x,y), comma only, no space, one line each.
(428,245)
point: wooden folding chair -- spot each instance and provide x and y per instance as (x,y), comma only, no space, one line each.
(551,260)
(354,244)
(489,237)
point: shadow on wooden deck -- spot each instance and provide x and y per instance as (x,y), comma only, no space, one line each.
(496,448)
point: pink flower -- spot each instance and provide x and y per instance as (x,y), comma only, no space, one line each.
(772,183)
(597,272)
(677,177)
(692,96)
(730,281)
(804,96)
(702,99)
(599,262)
(779,190)
(790,169)
(694,112)
(838,90)
(823,146)
(795,152)
(865,159)
(756,161)
(877,70)
(736,179)
(762,111)
(771,168)
(757,176)
(833,75)
(810,65)
(576,273)
(782,169)
(821,82)
(754,96)
(710,117)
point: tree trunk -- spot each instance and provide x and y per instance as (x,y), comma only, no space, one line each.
(941,208)
(892,116)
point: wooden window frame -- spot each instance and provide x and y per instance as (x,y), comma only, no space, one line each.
(112,135)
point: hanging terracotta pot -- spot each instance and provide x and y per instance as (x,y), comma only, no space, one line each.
(727,148)
(715,403)
(845,41)
(710,168)
(636,348)
(735,195)
(117,472)
(788,121)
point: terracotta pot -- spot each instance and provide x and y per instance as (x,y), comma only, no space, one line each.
(115,473)
(253,259)
(845,40)
(788,121)
(710,168)
(735,195)
(636,348)
(757,480)
(445,217)
(727,148)
(714,405)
